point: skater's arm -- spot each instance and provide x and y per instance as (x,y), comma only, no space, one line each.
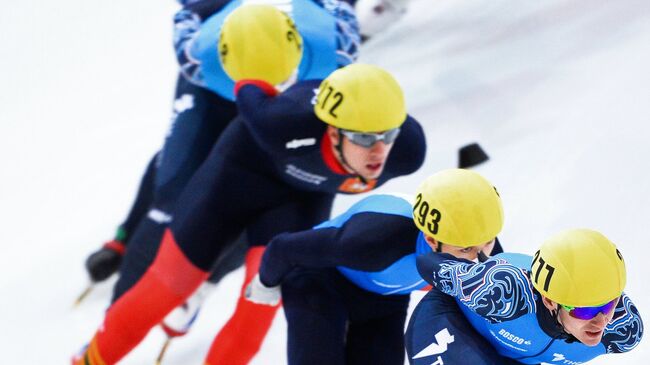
(273,119)
(368,241)
(625,330)
(494,289)
(187,27)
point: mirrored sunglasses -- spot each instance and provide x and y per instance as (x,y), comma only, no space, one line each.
(369,139)
(586,313)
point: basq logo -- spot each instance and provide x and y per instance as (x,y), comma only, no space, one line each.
(510,337)
(443,339)
(297,143)
(355,185)
(563,360)
(185,102)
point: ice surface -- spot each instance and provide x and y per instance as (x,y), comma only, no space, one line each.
(555,91)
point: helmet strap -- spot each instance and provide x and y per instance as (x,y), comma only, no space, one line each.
(569,338)
(339,149)
(556,315)
(482,257)
(549,320)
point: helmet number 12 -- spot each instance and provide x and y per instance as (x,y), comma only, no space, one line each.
(337,99)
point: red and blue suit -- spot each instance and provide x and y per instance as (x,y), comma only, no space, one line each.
(272,171)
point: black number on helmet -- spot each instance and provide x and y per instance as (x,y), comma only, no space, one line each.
(532,267)
(329,92)
(223,51)
(550,270)
(423,212)
(539,268)
(338,97)
(620,256)
(291,37)
(433,224)
(418,199)
(291,24)
(542,265)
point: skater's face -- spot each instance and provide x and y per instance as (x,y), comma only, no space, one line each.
(358,156)
(467,253)
(587,331)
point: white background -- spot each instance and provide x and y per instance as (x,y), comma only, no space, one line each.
(556,91)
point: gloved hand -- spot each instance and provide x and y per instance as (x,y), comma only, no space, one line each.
(179,321)
(102,263)
(267,88)
(259,293)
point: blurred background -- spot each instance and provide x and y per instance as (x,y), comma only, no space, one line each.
(557,93)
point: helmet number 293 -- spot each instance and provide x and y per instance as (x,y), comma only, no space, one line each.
(424,212)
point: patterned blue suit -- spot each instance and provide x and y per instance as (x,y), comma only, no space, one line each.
(499,304)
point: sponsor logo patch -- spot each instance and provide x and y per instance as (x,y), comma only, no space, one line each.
(297,143)
(443,339)
(355,185)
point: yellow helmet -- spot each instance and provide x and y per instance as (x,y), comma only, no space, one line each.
(458,207)
(259,42)
(361,98)
(579,268)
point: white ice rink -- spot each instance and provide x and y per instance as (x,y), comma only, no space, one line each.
(556,91)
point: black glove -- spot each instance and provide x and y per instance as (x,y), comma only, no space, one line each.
(102,263)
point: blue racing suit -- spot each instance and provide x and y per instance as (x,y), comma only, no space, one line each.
(203,107)
(272,171)
(373,244)
(501,305)
(329,30)
(345,283)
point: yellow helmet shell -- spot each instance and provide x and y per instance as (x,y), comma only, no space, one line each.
(259,42)
(459,208)
(362,98)
(579,268)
